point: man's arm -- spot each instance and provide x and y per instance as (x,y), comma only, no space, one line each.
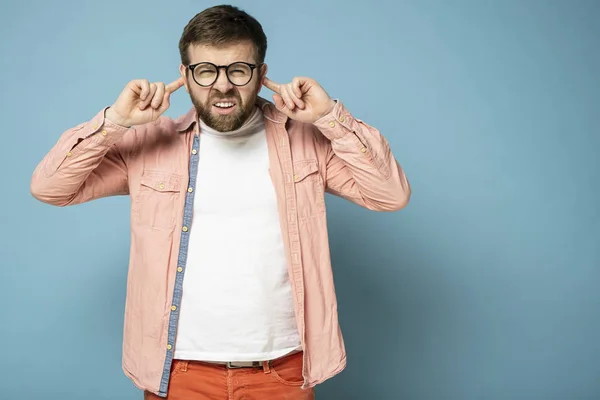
(360,165)
(84,164)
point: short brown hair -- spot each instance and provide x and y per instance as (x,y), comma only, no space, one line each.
(220,25)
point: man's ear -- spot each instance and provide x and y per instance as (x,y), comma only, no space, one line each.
(263,72)
(183,72)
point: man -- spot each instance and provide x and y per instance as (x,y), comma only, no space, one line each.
(230,291)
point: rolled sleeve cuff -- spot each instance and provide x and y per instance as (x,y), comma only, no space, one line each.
(102,131)
(337,123)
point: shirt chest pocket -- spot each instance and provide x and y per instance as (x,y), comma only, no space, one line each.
(157,204)
(310,192)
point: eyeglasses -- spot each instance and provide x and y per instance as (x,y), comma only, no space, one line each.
(238,73)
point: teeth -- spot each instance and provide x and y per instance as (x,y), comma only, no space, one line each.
(224,105)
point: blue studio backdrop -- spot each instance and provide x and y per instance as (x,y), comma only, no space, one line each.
(484,287)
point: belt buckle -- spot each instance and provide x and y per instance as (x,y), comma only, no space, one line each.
(235,365)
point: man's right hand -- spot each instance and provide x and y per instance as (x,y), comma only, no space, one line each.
(141,102)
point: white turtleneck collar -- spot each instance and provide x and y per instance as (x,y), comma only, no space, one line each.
(252,125)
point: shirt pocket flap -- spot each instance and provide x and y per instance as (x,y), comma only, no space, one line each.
(161,181)
(305,169)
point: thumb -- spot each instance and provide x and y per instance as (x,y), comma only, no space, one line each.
(166,103)
(279,103)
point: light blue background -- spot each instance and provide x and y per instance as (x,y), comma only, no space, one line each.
(485,287)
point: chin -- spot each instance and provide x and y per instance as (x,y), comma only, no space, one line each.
(225,124)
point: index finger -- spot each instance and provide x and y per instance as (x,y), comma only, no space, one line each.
(173,86)
(276,87)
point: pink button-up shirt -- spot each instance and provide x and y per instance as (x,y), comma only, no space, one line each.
(156,165)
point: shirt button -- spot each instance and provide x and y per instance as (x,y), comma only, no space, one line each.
(161,185)
(190,190)
(296,178)
(169,347)
(179,269)
(194,151)
(364,149)
(342,118)
(185,228)
(69,154)
(332,124)
(104,133)
(173,308)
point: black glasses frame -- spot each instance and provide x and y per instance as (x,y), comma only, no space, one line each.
(226,68)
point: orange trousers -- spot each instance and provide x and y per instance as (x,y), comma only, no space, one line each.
(279,379)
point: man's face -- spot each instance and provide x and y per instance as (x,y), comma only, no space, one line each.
(223,106)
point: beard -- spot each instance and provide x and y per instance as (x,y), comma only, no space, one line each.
(225,123)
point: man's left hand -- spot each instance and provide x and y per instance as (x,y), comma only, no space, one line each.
(303,99)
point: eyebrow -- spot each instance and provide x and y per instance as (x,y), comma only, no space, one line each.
(233,62)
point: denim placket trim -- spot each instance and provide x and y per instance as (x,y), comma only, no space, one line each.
(181,263)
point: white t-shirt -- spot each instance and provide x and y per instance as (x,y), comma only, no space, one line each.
(237,302)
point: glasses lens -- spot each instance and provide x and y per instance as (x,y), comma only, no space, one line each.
(239,74)
(205,74)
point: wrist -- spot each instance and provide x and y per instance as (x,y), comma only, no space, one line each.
(115,118)
(328,110)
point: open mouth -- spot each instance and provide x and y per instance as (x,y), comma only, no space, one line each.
(224,107)
(225,104)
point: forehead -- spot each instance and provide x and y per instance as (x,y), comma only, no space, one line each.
(223,54)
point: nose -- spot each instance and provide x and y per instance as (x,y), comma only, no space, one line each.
(222,84)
